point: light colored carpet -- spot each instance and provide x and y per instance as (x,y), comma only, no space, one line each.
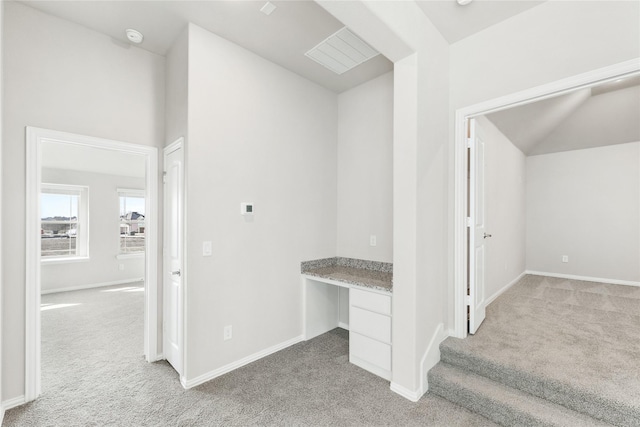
(573,342)
(94,374)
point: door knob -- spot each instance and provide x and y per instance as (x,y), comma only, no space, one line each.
(486,235)
(175,273)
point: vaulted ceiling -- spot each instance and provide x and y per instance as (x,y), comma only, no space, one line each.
(298,25)
(606,114)
(281,37)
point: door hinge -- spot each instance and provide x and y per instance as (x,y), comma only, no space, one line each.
(469,142)
(467,300)
(164,177)
(468,221)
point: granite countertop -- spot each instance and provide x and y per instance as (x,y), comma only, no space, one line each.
(368,274)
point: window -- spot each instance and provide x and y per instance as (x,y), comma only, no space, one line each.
(132,226)
(64,227)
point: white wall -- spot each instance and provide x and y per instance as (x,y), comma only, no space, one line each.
(261,134)
(549,42)
(176,89)
(420,164)
(104,234)
(546,43)
(585,204)
(62,76)
(365,170)
(505,209)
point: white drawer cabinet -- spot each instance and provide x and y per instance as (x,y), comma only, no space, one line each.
(372,301)
(370,324)
(370,331)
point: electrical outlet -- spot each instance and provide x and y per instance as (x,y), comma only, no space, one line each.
(372,240)
(565,258)
(228,332)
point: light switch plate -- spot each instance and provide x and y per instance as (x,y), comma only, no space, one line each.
(207,249)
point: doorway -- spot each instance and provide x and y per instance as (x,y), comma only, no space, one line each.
(35,139)
(463,269)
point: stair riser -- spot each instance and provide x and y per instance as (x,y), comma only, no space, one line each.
(492,410)
(576,400)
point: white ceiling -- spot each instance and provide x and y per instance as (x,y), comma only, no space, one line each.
(282,37)
(90,159)
(456,22)
(606,114)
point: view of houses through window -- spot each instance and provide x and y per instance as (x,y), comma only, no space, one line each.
(132,228)
(61,224)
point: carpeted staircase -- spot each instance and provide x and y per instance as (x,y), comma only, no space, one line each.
(512,396)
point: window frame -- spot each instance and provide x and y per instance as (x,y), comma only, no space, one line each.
(131,192)
(82,223)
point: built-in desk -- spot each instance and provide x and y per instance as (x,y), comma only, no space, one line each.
(368,286)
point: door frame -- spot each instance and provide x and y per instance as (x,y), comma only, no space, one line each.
(176,145)
(462,115)
(35,137)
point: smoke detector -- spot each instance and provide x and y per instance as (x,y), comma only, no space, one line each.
(134,36)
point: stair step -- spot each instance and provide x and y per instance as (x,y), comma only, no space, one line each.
(579,400)
(499,403)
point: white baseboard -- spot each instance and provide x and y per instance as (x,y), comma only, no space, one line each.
(431,356)
(504,288)
(239,363)
(156,358)
(413,396)
(343,325)
(12,403)
(585,278)
(1,414)
(93,285)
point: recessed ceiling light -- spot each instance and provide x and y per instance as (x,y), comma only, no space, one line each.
(268,8)
(134,36)
(463,2)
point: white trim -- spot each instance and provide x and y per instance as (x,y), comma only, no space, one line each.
(63,260)
(93,285)
(131,191)
(431,356)
(32,292)
(459,171)
(585,278)
(343,325)
(13,403)
(35,137)
(346,284)
(505,288)
(238,363)
(130,255)
(413,396)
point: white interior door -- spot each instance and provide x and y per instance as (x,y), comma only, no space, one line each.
(477,233)
(173,255)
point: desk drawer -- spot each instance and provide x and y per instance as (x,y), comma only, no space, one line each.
(371,301)
(370,324)
(370,354)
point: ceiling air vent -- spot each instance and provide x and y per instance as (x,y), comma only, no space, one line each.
(342,51)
